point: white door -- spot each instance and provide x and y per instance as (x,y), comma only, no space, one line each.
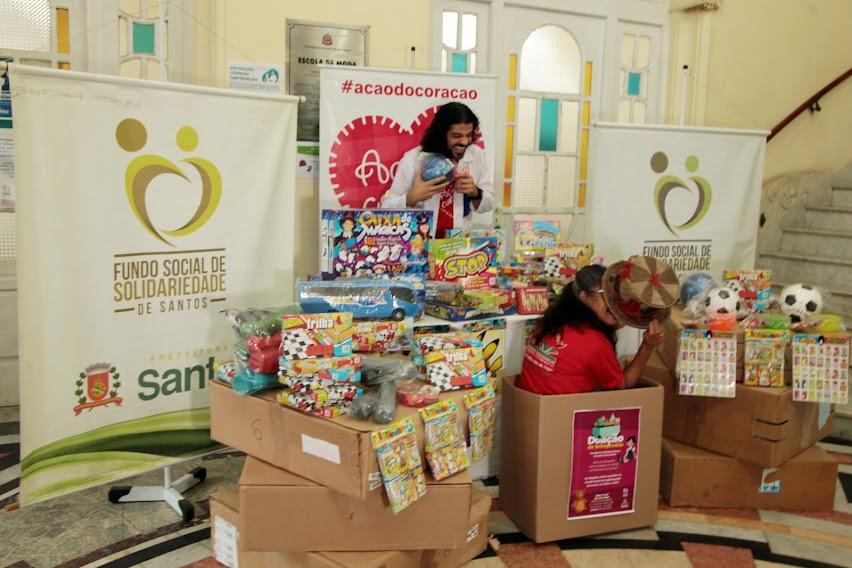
(554,64)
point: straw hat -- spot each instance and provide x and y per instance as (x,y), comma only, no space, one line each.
(640,289)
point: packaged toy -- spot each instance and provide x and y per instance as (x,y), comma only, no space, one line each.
(764,357)
(309,336)
(417,394)
(478,236)
(532,300)
(446,452)
(248,382)
(754,288)
(335,368)
(453,369)
(451,340)
(381,336)
(365,298)
(456,260)
(536,235)
(707,363)
(564,260)
(821,368)
(359,242)
(400,465)
(482,412)
(226,371)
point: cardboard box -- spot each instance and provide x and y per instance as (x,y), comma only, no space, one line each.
(225,518)
(761,425)
(291,513)
(476,537)
(337,453)
(537,458)
(692,477)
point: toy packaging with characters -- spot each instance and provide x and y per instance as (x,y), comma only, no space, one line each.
(821,368)
(564,260)
(446,452)
(453,369)
(381,336)
(365,298)
(537,235)
(482,412)
(707,363)
(358,242)
(754,287)
(400,465)
(309,336)
(477,236)
(335,368)
(764,357)
(456,260)
(417,394)
(451,340)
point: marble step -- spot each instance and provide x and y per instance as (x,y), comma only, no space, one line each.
(828,218)
(792,267)
(806,240)
(841,197)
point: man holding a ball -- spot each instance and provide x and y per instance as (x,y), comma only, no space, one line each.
(447,173)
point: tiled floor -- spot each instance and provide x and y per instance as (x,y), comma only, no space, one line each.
(85,530)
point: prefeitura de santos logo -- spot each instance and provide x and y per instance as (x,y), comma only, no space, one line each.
(132,136)
(668,183)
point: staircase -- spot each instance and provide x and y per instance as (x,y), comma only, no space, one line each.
(815,247)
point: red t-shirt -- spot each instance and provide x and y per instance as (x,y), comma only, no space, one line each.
(572,361)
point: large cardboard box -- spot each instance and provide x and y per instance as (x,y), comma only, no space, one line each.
(291,513)
(225,520)
(336,453)
(476,537)
(692,477)
(761,425)
(538,453)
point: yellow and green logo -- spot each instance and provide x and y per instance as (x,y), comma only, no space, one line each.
(667,183)
(132,136)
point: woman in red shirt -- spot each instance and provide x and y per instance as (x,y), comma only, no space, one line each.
(573,348)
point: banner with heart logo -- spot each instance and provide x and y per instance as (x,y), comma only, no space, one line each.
(149,208)
(369,118)
(688,196)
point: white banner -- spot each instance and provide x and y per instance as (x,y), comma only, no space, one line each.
(688,196)
(144,209)
(369,118)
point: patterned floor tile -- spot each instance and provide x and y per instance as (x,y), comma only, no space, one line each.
(531,555)
(626,558)
(816,552)
(714,556)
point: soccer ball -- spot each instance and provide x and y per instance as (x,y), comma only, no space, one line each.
(737,288)
(800,301)
(437,166)
(721,300)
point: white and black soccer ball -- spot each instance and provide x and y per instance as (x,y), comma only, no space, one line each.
(800,301)
(722,300)
(738,289)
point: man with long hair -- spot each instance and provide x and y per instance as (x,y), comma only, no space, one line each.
(452,134)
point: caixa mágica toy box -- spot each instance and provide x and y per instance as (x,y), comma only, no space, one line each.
(308,336)
(358,242)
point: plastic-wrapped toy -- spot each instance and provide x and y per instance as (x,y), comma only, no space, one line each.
(446,452)
(309,336)
(454,369)
(754,288)
(377,370)
(532,300)
(482,413)
(417,394)
(821,368)
(226,371)
(400,464)
(248,382)
(764,357)
(564,260)
(381,336)
(338,368)
(434,166)
(457,260)
(537,235)
(451,340)
(495,236)
(384,373)
(363,298)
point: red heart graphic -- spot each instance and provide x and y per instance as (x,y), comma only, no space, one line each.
(365,155)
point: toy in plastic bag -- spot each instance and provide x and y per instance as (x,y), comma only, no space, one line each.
(821,368)
(377,370)
(226,371)
(482,413)
(446,452)
(400,464)
(707,363)
(417,394)
(764,357)
(364,298)
(249,382)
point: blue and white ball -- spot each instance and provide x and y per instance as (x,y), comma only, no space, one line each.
(694,286)
(722,300)
(437,166)
(800,301)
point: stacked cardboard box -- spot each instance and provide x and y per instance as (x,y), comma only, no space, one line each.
(311,493)
(753,450)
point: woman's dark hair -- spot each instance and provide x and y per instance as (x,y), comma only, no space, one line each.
(435,138)
(571,311)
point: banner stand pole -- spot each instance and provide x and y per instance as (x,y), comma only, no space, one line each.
(683,91)
(170,491)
